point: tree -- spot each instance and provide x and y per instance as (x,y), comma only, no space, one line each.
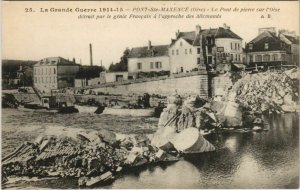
(123,64)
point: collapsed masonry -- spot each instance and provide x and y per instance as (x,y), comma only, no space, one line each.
(269,91)
(94,157)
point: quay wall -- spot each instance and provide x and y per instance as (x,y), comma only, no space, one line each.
(196,85)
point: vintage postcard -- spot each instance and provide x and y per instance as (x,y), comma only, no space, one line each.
(150,95)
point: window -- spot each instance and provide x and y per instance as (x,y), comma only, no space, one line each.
(231,56)
(266,57)
(54,71)
(139,66)
(151,65)
(157,65)
(160,65)
(283,57)
(251,58)
(275,57)
(180,43)
(49,71)
(250,46)
(266,45)
(186,52)
(190,50)
(198,60)
(42,70)
(239,57)
(235,46)
(35,81)
(198,50)
(172,52)
(177,52)
(258,58)
(236,57)
(231,46)
(238,46)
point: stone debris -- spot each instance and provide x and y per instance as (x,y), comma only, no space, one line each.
(268,92)
(92,156)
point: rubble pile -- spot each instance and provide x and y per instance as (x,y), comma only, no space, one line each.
(91,156)
(192,112)
(269,91)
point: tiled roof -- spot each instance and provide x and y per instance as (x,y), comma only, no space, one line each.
(194,39)
(258,43)
(154,51)
(54,61)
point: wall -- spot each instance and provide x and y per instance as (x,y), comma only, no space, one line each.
(226,44)
(187,61)
(111,77)
(132,64)
(221,84)
(271,53)
(192,85)
(45,77)
(66,75)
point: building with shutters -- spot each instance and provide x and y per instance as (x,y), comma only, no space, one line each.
(269,49)
(204,48)
(54,73)
(148,59)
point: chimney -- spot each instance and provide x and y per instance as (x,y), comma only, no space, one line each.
(74,60)
(225,26)
(177,33)
(198,29)
(91,54)
(149,45)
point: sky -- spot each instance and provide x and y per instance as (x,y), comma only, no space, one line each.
(33,36)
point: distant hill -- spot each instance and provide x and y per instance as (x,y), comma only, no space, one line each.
(11,66)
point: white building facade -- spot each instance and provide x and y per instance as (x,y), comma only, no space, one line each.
(54,73)
(148,59)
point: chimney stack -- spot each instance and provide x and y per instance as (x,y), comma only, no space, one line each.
(198,29)
(74,60)
(149,45)
(91,54)
(225,26)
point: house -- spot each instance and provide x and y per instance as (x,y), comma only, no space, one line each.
(198,49)
(292,40)
(54,73)
(148,59)
(269,49)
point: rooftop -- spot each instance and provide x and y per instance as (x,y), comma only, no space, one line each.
(54,61)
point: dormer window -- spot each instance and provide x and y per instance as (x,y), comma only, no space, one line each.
(266,45)
(250,46)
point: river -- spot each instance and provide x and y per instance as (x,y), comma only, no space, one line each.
(242,160)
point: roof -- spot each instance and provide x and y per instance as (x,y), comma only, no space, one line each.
(154,51)
(258,43)
(54,61)
(194,39)
(292,39)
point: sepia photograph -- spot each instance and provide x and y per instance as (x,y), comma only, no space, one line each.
(150,95)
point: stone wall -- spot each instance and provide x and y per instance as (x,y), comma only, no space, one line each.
(197,84)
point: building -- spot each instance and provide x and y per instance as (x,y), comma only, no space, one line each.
(204,48)
(148,59)
(115,76)
(54,73)
(269,49)
(292,40)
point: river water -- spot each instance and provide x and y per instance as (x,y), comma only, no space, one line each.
(242,160)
